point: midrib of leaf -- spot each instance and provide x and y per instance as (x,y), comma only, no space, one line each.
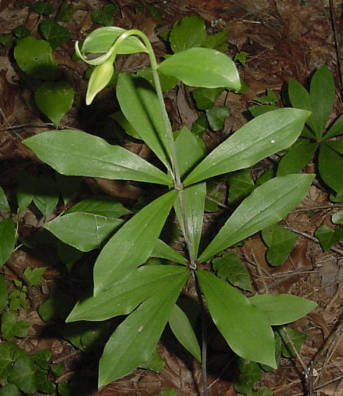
(110,163)
(258,140)
(270,205)
(250,220)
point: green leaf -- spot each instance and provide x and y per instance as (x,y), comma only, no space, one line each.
(133,289)
(6,40)
(101,206)
(336,128)
(202,67)
(258,110)
(259,138)
(167,82)
(280,242)
(45,195)
(54,99)
(241,57)
(328,237)
(249,373)
(33,276)
(35,58)
(102,39)
(322,96)
(269,99)
(54,33)
(298,95)
(164,251)
(3,200)
(243,326)
(23,374)
(230,268)
(200,125)
(3,293)
(119,117)
(189,150)
(330,164)
(298,156)
(282,308)
(336,145)
(154,363)
(84,231)
(167,392)
(216,117)
(42,7)
(104,16)
(267,205)
(205,97)
(10,390)
(76,153)
(133,244)
(21,32)
(65,12)
(56,307)
(183,331)
(297,339)
(134,340)
(215,195)
(7,240)
(9,352)
(217,41)
(140,105)
(193,199)
(337,218)
(188,32)
(99,79)
(267,175)
(241,184)
(10,327)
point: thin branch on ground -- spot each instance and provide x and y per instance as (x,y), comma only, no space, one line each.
(312,238)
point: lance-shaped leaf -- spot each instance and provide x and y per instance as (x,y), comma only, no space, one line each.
(259,138)
(336,129)
(135,339)
(140,105)
(299,155)
(132,245)
(76,153)
(3,200)
(193,201)
(241,323)
(190,149)
(298,95)
(164,251)
(330,167)
(7,240)
(202,67)
(102,39)
(322,96)
(124,296)
(267,205)
(83,231)
(282,308)
(183,331)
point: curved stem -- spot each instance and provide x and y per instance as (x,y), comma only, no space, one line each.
(165,118)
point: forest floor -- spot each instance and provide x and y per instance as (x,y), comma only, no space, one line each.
(283,40)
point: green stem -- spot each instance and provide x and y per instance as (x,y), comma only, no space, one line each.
(165,118)
(175,166)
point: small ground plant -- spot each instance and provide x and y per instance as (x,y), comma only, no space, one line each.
(148,293)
